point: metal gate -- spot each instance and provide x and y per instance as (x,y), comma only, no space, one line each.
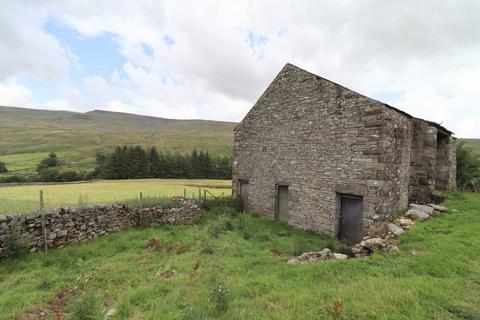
(282,203)
(351,219)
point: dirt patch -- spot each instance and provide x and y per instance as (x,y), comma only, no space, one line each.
(154,244)
(177,248)
(196,266)
(54,307)
(167,274)
(275,252)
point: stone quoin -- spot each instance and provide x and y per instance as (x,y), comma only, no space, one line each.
(322,157)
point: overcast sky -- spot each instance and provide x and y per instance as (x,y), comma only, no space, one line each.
(213,59)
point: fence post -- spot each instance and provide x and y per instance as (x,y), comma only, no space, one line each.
(184,193)
(199,193)
(204,194)
(141,200)
(44,229)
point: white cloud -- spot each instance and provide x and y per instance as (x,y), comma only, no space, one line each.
(25,47)
(14,94)
(225,53)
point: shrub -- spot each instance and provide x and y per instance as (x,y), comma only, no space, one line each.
(50,175)
(468,168)
(213,231)
(207,247)
(14,179)
(228,225)
(87,308)
(219,295)
(15,246)
(3,167)
(51,161)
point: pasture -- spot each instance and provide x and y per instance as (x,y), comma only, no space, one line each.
(25,198)
(233,266)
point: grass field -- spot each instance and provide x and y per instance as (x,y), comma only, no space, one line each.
(238,277)
(25,198)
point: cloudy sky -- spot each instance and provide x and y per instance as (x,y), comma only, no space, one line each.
(212,59)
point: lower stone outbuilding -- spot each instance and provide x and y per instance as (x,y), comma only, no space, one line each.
(322,157)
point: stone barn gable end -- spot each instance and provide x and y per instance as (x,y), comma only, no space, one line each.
(319,156)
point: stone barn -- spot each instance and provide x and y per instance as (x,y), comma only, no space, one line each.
(322,157)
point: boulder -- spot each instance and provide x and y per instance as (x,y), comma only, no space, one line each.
(417,214)
(340,256)
(373,243)
(293,261)
(420,207)
(404,222)
(110,313)
(438,208)
(393,248)
(396,230)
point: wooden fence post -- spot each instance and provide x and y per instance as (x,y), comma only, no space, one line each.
(44,228)
(141,200)
(199,193)
(184,193)
(204,194)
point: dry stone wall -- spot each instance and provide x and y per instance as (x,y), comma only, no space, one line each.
(66,226)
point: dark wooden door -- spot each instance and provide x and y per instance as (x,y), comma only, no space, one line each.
(351,219)
(244,195)
(282,203)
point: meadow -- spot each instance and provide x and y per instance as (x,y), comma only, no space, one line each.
(25,198)
(233,266)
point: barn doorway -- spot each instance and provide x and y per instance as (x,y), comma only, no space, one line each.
(244,195)
(441,181)
(282,203)
(350,228)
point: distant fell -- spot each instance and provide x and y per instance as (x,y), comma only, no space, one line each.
(27,133)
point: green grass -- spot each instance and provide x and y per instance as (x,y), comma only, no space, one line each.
(442,283)
(27,135)
(25,198)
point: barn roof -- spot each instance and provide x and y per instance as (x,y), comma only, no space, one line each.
(432,123)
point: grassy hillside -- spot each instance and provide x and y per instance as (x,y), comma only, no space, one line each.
(473,143)
(226,270)
(27,135)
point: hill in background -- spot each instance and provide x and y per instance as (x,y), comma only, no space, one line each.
(28,135)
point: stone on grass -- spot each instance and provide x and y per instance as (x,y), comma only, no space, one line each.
(340,256)
(420,207)
(438,208)
(417,214)
(396,230)
(110,313)
(293,261)
(404,222)
(373,243)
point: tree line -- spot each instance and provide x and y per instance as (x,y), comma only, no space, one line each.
(135,162)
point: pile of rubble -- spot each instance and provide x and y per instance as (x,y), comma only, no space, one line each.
(310,257)
(384,237)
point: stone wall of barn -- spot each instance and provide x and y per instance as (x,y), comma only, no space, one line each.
(65,226)
(321,140)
